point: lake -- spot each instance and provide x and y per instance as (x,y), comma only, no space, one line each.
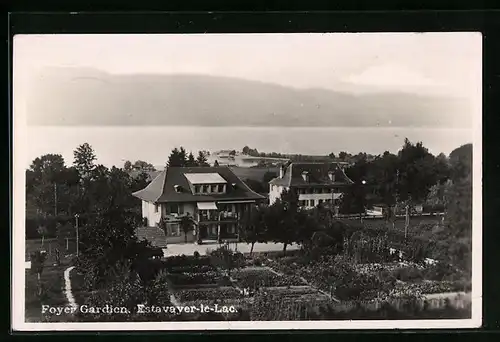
(113,145)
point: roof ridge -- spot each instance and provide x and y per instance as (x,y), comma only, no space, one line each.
(290,175)
(163,185)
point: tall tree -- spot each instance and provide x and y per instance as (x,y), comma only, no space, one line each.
(141,165)
(202,159)
(343,155)
(187,225)
(252,226)
(84,160)
(191,161)
(127,166)
(177,158)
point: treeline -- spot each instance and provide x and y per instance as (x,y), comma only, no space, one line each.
(180,158)
(405,178)
(55,192)
(342,156)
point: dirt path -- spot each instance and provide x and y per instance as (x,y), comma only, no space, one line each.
(67,288)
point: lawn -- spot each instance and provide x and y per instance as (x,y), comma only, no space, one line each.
(49,245)
(52,280)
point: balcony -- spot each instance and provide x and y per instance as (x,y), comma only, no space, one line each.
(228,216)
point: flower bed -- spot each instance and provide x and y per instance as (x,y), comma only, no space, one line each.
(179,279)
(255,277)
(183,261)
(430,287)
(208,294)
(192,269)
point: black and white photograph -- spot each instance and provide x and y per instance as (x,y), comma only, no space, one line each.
(247,181)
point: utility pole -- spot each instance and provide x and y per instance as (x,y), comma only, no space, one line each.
(77,237)
(55,199)
(407,219)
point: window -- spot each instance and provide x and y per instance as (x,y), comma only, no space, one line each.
(220,188)
(205,189)
(213,188)
(173,209)
(320,201)
(212,229)
(302,203)
(196,189)
(156,208)
(311,203)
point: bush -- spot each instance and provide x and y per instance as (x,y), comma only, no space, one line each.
(196,255)
(408,274)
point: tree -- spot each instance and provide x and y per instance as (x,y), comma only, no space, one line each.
(202,159)
(282,219)
(46,179)
(141,165)
(127,166)
(186,225)
(38,259)
(42,230)
(177,158)
(191,161)
(84,160)
(253,227)
(331,155)
(343,155)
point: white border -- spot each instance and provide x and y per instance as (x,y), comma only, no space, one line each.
(18,234)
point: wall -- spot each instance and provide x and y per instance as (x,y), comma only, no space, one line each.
(148,211)
(275,192)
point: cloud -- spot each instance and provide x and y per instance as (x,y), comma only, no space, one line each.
(392,76)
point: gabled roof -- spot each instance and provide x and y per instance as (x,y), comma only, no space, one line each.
(317,175)
(161,189)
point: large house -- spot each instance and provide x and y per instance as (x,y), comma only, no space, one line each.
(315,183)
(213,198)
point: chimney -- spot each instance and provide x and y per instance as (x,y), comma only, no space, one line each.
(331,175)
(305,176)
(282,171)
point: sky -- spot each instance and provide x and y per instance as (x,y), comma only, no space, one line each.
(415,62)
(451,61)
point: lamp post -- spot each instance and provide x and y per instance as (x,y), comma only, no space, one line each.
(77,237)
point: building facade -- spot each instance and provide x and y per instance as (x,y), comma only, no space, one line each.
(211,200)
(314,183)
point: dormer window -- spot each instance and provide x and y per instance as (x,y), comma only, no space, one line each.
(305,176)
(220,188)
(177,188)
(234,185)
(197,189)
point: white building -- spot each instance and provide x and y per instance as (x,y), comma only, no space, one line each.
(315,183)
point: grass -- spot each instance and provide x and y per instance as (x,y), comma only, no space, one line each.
(49,245)
(52,280)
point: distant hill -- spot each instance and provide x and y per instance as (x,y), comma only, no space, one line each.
(74,96)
